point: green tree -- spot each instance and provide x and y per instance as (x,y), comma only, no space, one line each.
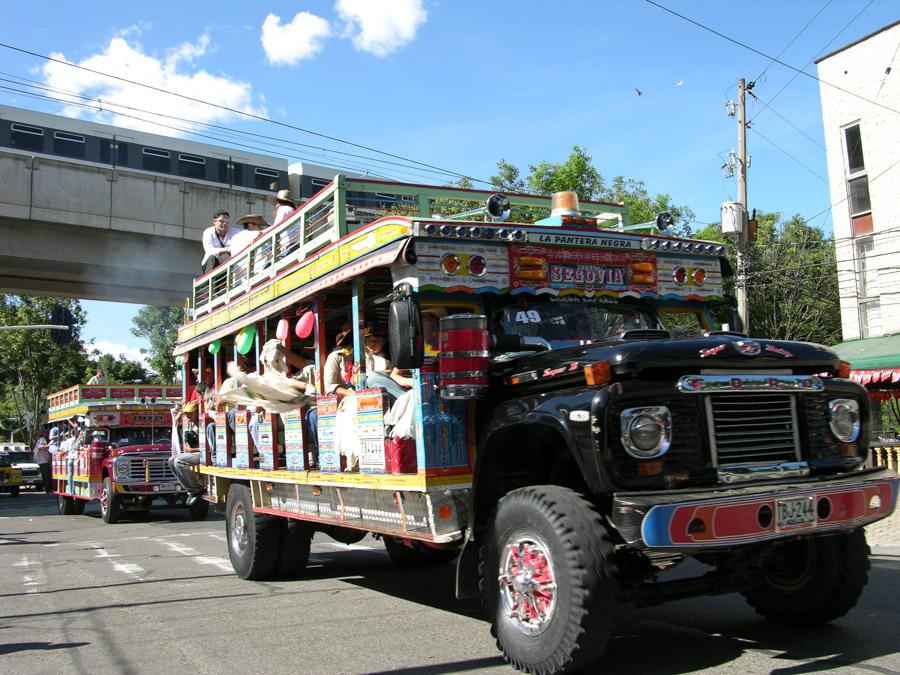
(507,178)
(792,286)
(117,369)
(32,366)
(159,325)
(578,174)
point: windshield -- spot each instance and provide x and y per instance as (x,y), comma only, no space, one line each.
(20,457)
(136,436)
(572,322)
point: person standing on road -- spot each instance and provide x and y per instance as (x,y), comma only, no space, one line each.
(41,453)
(216,240)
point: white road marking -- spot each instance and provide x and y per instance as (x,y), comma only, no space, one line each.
(196,556)
(31,580)
(347,547)
(220,537)
(130,569)
(25,562)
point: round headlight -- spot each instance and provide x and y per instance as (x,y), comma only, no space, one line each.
(843,418)
(646,432)
(121,468)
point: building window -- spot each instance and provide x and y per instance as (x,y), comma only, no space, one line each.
(191,166)
(867,288)
(857,178)
(266,179)
(155,160)
(26,137)
(68,145)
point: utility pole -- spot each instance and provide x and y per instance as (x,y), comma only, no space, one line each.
(742,237)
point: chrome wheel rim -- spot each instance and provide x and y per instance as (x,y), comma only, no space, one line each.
(527,580)
(238,530)
(104,500)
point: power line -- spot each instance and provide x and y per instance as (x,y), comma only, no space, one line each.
(235,111)
(798,129)
(780,149)
(768,56)
(793,40)
(806,65)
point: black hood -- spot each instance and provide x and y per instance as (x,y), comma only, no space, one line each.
(690,355)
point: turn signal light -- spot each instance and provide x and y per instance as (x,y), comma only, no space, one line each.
(642,278)
(647,469)
(530,261)
(843,369)
(642,266)
(598,373)
(533,275)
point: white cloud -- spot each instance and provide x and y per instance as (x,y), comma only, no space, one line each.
(381,26)
(121,351)
(301,38)
(175,72)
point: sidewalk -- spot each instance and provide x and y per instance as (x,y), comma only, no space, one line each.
(885,532)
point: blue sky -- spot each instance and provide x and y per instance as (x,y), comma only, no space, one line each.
(463,84)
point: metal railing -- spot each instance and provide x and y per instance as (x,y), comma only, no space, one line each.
(345,205)
(885,454)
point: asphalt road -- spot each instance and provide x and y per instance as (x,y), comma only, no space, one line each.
(157,595)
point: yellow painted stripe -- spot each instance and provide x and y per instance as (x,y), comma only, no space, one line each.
(414,482)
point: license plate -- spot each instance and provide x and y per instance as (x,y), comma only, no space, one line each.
(795,513)
(165,487)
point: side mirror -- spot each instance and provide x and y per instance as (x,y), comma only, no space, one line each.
(405,334)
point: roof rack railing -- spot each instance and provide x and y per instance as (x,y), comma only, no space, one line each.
(345,205)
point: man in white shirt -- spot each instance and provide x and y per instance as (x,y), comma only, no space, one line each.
(216,240)
(253,224)
(98,378)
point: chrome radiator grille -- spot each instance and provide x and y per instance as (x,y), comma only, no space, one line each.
(158,466)
(753,428)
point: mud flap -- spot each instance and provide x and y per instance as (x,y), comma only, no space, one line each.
(467,581)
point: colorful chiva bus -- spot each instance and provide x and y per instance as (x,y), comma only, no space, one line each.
(562,406)
(444,292)
(120,460)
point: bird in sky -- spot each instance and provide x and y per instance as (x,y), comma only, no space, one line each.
(638,91)
(680,83)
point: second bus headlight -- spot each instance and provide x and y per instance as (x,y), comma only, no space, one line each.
(647,431)
(843,418)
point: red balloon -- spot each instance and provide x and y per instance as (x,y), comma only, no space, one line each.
(283,329)
(304,327)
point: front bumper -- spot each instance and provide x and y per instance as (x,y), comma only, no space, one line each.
(150,489)
(723,517)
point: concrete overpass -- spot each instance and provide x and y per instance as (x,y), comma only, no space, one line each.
(72,228)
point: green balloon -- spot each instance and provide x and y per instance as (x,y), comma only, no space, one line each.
(179,361)
(244,340)
(214,346)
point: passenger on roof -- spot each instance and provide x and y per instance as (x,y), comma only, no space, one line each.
(98,378)
(253,224)
(284,206)
(216,240)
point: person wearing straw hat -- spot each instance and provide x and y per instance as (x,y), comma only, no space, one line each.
(253,224)
(284,206)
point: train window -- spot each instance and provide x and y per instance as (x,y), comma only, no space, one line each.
(156,160)
(224,176)
(26,137)
(237,174)
(68,145)
(319,182)
(192,166)
(265,179)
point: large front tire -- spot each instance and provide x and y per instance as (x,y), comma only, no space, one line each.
(110,503)
(808,582)
(549,580)
(254,539)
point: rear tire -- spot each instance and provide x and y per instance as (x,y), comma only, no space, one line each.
(14,491)
(808,582)
(199,509)
(549,580)
(66,505)
(296,541)
(78,506)
(417,554)
(254,539)
(110,503)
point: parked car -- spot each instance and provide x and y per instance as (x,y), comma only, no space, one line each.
(20,457)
